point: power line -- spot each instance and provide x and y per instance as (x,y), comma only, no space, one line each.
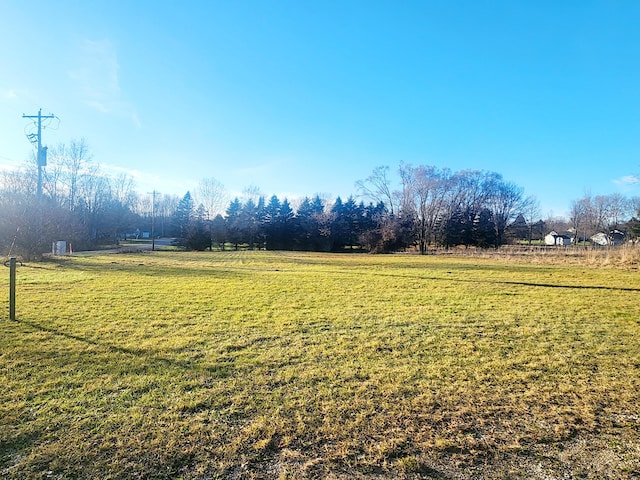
(9,159)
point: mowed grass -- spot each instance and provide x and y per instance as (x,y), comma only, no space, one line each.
(255,365)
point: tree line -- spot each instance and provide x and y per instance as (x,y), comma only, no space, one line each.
(417,207)
(78,203)
(432,208)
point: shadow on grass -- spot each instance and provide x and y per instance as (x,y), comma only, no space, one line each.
(140,266)
(218,371)
(510,282)
(578,287)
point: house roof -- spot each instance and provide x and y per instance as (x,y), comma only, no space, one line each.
(556,234)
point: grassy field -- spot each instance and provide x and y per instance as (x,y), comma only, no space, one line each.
(256,365)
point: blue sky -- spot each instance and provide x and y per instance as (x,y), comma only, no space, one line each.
(305,97)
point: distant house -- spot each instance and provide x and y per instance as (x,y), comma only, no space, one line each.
(557,239)
(615,237)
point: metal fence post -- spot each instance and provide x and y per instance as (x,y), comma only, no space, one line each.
(12,288)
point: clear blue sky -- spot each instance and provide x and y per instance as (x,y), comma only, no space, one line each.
(305,97)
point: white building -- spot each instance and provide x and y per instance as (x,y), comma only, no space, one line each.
(557,239)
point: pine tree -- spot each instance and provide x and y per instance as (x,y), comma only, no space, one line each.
(286,225)
(198,236)
(182,215)
(234,223)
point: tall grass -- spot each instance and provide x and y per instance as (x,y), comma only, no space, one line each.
(625,256)
(293,365)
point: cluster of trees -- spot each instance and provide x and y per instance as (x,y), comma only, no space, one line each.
(275,225)
(78,203)
(604,213)
(429,207)
(433,207)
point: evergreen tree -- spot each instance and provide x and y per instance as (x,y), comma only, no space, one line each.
(455,230)
(518,230)
(305,225)
(234,223)
(346,226)
(286,226)
(339,226)
(484,232)
(302,225)
(271,223)
(198,236)
(182,215)
(219,231)
(249,223)
(311,226)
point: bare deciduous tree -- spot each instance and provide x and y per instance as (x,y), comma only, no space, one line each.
(425,195)
(76,167)
(505,201)
(212,195)
(634,206)
(532,215)
(253,193)
(378,187)
(579,217)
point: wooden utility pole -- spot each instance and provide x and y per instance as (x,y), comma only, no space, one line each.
(41,155)
(153,219)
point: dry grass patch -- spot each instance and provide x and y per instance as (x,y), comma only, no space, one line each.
(622,257)
(293,365)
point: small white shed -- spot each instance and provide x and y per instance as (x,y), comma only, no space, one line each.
(615,237)
(557,239)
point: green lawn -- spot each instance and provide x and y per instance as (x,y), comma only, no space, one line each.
(294,365)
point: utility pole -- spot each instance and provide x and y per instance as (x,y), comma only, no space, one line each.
(153,219)
(41,155)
